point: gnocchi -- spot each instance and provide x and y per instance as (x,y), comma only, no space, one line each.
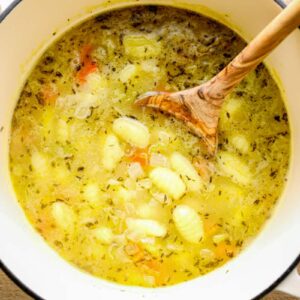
(188,223)
(168,182)
(234,167)
(111,153)
(186,170)
(144,227)
(132,131)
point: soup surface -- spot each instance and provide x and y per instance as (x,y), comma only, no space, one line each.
(128,194)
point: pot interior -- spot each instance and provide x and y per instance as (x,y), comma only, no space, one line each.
(25,253)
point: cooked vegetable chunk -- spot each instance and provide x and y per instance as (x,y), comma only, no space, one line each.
(186,170)
(132,131)
(103,234)
(188,223)
(141,46)
(168,182)
(234,167)
(92,193)
(240,142)
(128,72)
(39,163)
(63,215)
(111,153)
(145,227)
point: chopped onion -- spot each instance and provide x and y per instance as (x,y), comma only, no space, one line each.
(145,183)
(82,112)
(148,240)
(135,170)
(113,181)
(218,238)
(81,103)
(206,253)
(122,256)
(175,247)
(130,184)
(158,160)
(164,136)
(162,198)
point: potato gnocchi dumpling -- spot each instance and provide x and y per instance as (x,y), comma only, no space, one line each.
(168,182)
(233,166)
(187,171)
(111,153)
(129,194)
(132,131)
(145,227)
(188,223)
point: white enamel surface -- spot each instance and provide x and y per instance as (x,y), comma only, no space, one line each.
(4,4)
(25,253)
(291,284)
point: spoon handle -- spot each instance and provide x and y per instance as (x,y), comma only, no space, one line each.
(216,89)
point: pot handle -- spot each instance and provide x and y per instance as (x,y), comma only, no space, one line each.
(291,284)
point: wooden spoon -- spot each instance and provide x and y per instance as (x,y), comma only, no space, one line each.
(200,107)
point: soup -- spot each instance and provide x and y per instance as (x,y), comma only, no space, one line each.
(129,194)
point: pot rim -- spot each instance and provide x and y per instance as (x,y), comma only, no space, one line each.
(34,295)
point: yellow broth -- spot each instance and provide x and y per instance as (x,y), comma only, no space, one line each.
(128,194)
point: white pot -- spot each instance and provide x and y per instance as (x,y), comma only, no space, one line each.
(24,33)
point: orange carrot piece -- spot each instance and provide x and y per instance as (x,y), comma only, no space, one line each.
(153,265)
(140,156)
(225,251)
(146,263)
(88,66)
(158,270)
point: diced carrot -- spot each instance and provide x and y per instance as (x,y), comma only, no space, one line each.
(225,251)
(86,52)
(88,66)
(158,270)
(146,263)
(140,156)
(153,265)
